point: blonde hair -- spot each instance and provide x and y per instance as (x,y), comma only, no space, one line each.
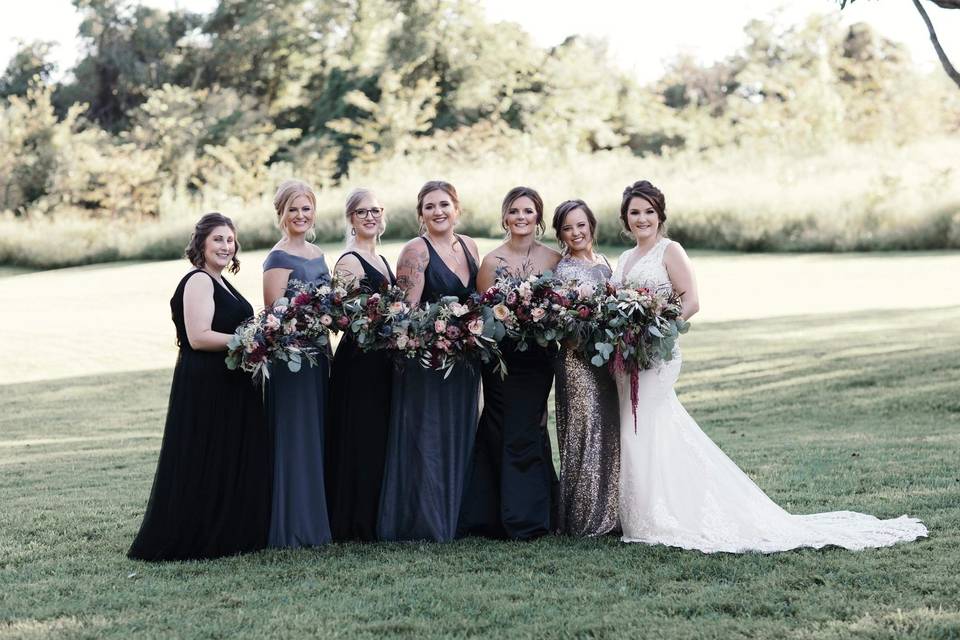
(354,198)
(287,192)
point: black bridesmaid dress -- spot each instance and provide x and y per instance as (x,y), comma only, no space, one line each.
(513,488)
(211,491)
(433,422)
(359,416)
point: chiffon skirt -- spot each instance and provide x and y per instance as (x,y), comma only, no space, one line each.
(433,422)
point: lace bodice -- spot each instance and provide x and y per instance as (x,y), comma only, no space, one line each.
(648,270)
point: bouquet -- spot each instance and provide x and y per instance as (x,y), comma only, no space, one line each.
(293,329)
(384,320)
(532,308)
(582,314)
(641,326)
(448,331)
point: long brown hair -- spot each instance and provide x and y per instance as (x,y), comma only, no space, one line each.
(203,228)
(644,189)
(430,187)
(561,212)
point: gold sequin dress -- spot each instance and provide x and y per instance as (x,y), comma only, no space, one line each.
(588,430)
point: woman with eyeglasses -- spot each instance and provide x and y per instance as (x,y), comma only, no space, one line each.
(433,418)
(360,387)
(512,490)
(296,402)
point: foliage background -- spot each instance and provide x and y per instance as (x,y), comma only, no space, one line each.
(812,137)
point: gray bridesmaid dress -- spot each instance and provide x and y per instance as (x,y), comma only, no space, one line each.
(296,405)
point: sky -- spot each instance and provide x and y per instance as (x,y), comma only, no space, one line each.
(641,35)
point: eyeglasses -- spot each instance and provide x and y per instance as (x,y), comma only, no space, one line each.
(375,212)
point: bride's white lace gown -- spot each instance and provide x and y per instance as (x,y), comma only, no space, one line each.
(678,488)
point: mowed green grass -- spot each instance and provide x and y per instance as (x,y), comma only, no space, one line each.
(846,411)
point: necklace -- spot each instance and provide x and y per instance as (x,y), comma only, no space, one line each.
(450,252)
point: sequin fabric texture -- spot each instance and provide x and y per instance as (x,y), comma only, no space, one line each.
(588,430)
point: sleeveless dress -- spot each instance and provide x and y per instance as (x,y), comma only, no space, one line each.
(211,491)
(678,488)
(433,422)
(513,487)
(588,429)
(296,412)
(359,415)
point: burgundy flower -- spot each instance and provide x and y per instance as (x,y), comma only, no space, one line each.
(258,354)
(583,312)
(343,321)
(302,298)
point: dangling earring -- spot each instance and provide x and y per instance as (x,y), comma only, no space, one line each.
(353,231)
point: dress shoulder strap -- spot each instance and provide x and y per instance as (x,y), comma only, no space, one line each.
(661,248)
(197,270)
(277,259)
(472,265)
(393,278)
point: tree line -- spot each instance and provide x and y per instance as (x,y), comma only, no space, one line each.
(173,102)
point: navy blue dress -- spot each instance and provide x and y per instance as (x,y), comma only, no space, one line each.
(360,390)
(211,491)
(433,422)
(296,411)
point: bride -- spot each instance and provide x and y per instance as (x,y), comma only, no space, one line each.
(677,487)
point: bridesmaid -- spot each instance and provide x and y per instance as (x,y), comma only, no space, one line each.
(513,488)
(433,420)
(588,410)
(296,402)
(211,492)
(360,387)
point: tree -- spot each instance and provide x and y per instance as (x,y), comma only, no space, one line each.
(130,50)
(941,54)
(31,62)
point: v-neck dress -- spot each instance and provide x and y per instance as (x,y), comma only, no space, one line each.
(361,385)
(433,422)
(296,416)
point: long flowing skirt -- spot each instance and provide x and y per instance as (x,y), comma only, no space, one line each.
(359,417)
(296,412)
(211,491)
(678,488)
(433,422)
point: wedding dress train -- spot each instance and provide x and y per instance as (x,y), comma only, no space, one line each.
(678,488)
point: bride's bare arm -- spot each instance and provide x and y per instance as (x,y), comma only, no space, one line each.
(680,270)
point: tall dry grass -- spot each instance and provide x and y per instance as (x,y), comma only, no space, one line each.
(863,198)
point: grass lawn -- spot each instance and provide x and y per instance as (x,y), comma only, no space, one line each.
(846,410)
(109,318)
